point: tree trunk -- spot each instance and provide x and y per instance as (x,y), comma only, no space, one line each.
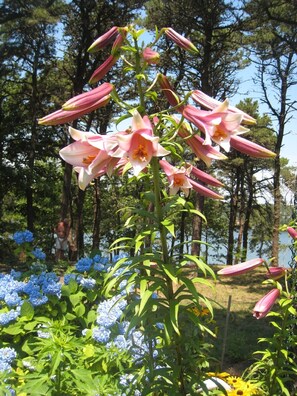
(276,211)
(232,218)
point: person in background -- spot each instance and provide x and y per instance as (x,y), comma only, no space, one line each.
(61,241)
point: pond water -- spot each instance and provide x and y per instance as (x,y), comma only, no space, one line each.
(218,256)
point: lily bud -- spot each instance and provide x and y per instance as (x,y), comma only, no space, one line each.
(264,305)
(168,91)
(275,272)
(180,40)
(204,191)
(241,268)
(292,232)
(104,40)
(103,69)
(119,41)
(62,116)
(205,177)
(89,98)
(249,148)
(150,56)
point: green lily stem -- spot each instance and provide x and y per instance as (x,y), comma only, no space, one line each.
(166,260)
(274,388)
(138,79)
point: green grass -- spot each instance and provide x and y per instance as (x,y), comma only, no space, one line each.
(240,335)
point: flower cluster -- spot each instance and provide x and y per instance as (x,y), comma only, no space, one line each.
(21,237)
(7,356)
(39,254)
(93,155)
(14,292)
(232,385)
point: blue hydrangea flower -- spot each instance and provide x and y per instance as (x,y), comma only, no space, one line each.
(68,277)
(39,254)
(12,299)
(37,299)
(21,237)
(84,264)
(7,317)
(88,283)
(7,354)
(110,311)
(101,334)
(99,267)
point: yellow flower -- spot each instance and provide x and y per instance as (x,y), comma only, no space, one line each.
(218,375)
(200,312)
(236,382)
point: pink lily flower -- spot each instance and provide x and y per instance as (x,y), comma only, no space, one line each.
(205,152)
(218,125)
(104,40)
(90,154)
(180,40)
(168,91)
(205,177)
(140,145)
(150,56)
(177,178)
(241,268)
(275,272)
(103,69)
(292,232)
(264,305)
(210,103)
(63,116)
(87,99)
(250,148)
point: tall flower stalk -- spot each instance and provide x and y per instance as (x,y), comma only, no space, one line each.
(166,298)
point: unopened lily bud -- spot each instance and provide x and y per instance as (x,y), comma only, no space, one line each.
(119,41)
(241,268)
(250,148)
(63,116)
(150,56)
(103,69)
(275,272)
(89,98)
(168,91)
(104,40)
(205,177)
(292,232)
(180,40)
(264,305)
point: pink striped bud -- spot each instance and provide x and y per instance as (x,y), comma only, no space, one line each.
(89,98)
(205,177)
(62,116)
(104,40)
(264,305)
(168,91)
(180,40)
(292,232)
(150,56)
(119,41)
(103,69)
(241,268)
(249,148)
(275,272)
